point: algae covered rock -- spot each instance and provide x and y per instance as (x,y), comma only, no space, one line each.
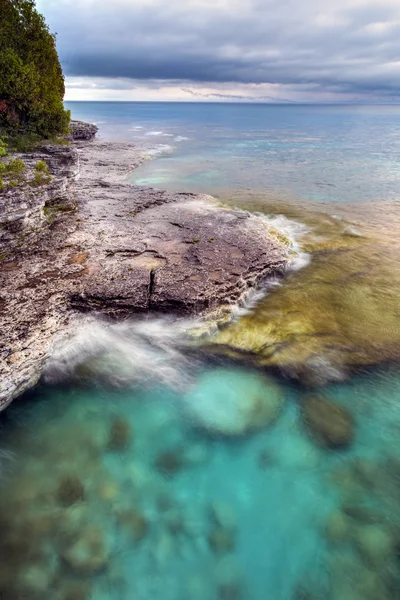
(338,314)
(232,402)
(331,425)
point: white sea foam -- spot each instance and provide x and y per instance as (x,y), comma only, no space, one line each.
(123,353)
(159,150)
(180,138)
(293,231)
(159,133)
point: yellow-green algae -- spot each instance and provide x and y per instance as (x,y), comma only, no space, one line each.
(342,308)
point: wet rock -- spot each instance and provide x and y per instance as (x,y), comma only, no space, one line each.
(233,403)
(133,522)
(331,425)
(120,435)
(221,540)
(375,544)
(70,490)
(89,553)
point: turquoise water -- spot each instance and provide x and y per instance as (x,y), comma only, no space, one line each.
(145,467)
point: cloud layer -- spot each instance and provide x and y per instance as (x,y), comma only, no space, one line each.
(283,49)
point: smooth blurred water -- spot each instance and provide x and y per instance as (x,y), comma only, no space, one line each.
(330,153)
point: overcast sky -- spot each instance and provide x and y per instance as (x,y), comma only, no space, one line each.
(284,50)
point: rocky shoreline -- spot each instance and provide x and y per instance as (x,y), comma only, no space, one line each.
(89,240)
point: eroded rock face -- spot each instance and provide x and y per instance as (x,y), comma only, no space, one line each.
(82,131)
(25,209)
(106,245)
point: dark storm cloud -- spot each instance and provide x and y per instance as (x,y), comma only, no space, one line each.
(351,47)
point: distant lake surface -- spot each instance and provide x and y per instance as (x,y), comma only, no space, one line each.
(314,152)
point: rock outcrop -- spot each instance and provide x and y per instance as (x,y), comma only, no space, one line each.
(99,243)
(80,131)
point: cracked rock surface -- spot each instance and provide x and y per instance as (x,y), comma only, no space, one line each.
(117,249)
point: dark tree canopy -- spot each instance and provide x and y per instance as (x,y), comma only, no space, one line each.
(31,78)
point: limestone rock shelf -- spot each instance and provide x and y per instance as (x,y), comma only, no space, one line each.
(91,241)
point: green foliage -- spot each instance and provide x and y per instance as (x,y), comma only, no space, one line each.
(41,167)
(3,147)
(40,179)
(31,83)
(23,142)
(15,167)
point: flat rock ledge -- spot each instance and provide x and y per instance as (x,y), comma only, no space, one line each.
(101,244)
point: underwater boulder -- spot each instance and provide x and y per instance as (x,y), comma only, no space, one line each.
(375,544)
(337,527)
(133,522)
(331,425)
(221,540)
(120,435)
(232,402)
(70,490)
(89,553)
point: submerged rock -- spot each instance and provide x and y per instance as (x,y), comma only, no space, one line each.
(331,425)
(340,312)
(120,435)
(88,554)
(70,490)
(133,522)
(230,402)
(221,540)
(375,544)
(337,527)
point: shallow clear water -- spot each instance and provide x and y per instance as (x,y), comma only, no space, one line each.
(149,466)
